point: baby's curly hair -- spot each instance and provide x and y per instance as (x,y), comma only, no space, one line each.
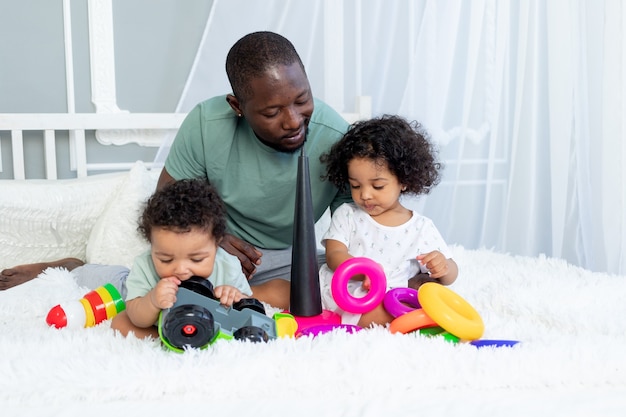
(182,205)
(404,147)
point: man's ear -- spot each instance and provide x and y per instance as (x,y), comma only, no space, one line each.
(234,104)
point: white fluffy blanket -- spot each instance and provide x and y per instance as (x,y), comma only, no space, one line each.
(571,359)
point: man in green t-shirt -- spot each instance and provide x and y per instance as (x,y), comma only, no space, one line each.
(247,144)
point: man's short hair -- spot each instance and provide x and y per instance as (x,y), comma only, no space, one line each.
(255,53)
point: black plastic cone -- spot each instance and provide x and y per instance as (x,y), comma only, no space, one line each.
(306,299)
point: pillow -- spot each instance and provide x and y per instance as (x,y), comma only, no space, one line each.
(46,220)
(114,239)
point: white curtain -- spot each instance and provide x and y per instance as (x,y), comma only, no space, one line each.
(524,99)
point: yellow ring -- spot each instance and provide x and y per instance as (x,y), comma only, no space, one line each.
(90,318)
(450,311)
(107,299)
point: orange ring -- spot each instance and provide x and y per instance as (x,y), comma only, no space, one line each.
(413,320)
(450,311)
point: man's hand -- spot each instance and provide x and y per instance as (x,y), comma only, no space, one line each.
(248,255)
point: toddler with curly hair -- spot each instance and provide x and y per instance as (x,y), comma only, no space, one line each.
(184,223)
(380,160)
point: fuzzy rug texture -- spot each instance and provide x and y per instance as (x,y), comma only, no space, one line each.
(571,360)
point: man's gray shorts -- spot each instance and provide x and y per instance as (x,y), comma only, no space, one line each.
(274,264)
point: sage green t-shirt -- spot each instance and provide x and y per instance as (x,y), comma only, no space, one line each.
(256,182)
(226,271)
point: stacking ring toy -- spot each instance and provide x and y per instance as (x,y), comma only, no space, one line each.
(493,343)
(325,328)
(350,268)
(450,311)
(413,320)
(396,300)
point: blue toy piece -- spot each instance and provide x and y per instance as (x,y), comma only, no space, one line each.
(197,319)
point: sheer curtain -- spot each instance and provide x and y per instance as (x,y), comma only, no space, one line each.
(524,99)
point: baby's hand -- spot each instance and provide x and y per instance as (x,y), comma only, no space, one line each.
(228,295)
(435,262)
(164,294)
(367,283)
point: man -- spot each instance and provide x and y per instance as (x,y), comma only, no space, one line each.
(246,143)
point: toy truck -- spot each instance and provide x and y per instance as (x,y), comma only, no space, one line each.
(197,319)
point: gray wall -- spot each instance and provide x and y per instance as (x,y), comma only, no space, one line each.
(155,45)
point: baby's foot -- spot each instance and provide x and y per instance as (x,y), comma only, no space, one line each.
(20,274)
(420,279)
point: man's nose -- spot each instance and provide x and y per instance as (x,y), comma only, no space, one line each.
(291,119)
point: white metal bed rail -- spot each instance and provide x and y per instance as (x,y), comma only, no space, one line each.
(136,125)
(119,128)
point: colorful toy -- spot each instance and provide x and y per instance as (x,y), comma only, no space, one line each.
(493,343)
(450,311)
(399,301)
(325,328)
(411,321)
(440,332)
(286,325)
(350,268)
(453,318)
(197,319)
(96,306)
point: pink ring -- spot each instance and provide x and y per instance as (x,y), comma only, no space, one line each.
(396,299)
(350,268)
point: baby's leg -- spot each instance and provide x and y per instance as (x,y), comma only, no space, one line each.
(274,292)
(420,279)
(122,324)
(377,316)
(20,274)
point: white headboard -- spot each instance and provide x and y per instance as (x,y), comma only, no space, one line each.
(144,129)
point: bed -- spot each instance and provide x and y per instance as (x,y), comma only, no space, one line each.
(569,322)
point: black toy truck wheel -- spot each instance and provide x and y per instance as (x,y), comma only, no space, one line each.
(251,303)
(200,286)
(251,333)
(189,325)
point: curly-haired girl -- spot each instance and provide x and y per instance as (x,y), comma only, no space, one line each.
(379,160)
(184,223)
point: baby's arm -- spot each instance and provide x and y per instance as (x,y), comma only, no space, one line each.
(228,295)
(336,253)
(445,270)
(144,311)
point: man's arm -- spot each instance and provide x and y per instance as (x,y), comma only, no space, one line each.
(164,179)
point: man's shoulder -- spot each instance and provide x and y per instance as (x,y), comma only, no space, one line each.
(325,117)
(215,108)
